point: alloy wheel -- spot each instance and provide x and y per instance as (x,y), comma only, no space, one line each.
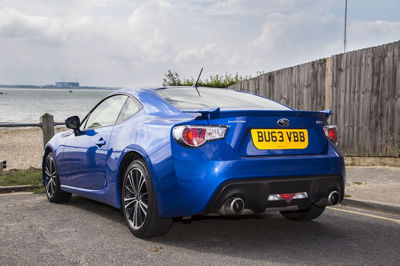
(136,198)
(50,173)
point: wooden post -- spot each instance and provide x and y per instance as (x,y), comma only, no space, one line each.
(328,83)
(47,122)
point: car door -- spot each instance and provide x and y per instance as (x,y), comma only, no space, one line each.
(84,156)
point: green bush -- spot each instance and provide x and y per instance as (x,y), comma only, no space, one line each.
(216,81)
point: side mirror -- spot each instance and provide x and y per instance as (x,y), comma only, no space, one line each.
(74,123)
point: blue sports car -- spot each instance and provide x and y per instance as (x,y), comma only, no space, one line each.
(169,152)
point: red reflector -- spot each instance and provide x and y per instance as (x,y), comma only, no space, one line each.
(287,197)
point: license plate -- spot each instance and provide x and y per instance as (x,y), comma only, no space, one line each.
(278,139)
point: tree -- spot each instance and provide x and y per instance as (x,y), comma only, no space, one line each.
(171,79)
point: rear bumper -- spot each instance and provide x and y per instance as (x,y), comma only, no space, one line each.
(255,192)
(186,186)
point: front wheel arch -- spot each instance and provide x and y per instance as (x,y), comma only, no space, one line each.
(47,150)
(51,180)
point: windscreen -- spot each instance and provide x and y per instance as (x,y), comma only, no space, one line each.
(187,98)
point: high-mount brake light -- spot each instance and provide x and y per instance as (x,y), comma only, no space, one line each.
(195,136)
(331,133)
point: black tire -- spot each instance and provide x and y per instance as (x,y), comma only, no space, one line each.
(304,215)
(52,181)
(147,222)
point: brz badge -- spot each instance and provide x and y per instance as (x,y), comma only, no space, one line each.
(283,122)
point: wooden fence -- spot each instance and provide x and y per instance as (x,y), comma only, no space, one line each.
(361,87)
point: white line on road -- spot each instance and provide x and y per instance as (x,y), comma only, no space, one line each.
(366,214)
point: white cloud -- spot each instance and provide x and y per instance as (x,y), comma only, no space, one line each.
(123,42)
(104,3)
(363,33)
(296,37)
(157,49)
(257,7)
(149,16)
(271,31)
(15,24)
(196,55)
(284,40)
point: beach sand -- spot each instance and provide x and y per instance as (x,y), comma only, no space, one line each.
(22,148)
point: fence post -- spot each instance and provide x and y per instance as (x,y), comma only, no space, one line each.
(47,122)
(328,83)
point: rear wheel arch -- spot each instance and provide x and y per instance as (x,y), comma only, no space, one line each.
(139,206)
(125,161)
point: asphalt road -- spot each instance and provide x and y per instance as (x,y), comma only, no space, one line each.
(36,232)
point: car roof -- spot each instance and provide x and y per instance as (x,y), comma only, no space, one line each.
(167,87)
(136,92)
(150,100)
(153,102)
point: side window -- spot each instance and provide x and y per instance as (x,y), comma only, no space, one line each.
(106,113)
(130,108)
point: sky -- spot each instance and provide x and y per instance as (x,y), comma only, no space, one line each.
(133,43)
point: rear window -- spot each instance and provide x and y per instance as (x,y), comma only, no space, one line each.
(186,98)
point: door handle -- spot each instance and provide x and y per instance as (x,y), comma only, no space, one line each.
(100,142)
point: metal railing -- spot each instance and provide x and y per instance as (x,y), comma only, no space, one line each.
(29,124)
(47,125)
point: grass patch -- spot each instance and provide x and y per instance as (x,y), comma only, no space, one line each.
(39,190)
(347,195)
(15,177)
(357,183)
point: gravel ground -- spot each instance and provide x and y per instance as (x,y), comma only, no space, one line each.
(82,232)
(22,148)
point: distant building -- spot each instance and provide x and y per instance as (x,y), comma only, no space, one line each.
(67,84)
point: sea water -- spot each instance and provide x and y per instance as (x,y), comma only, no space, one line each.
(27,105)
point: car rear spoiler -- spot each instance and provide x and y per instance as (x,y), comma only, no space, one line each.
(213,113)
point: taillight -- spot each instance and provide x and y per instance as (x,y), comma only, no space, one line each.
(195,136)
(331,133)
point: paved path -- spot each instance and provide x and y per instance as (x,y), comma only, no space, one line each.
(82,232)
(381,184)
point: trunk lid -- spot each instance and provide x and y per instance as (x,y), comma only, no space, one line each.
(257,133)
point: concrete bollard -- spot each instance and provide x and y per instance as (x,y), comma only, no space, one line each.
(47,125)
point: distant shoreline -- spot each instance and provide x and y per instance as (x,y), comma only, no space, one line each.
(54,87)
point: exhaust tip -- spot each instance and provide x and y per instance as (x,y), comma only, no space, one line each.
(232,206)
(237,205)
(334,198)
